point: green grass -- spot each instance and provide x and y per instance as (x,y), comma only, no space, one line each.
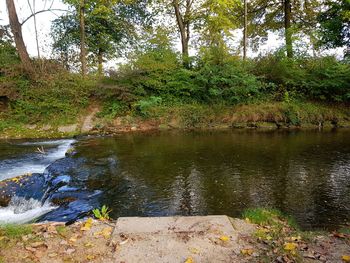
(62,231)
(15,231)
(268,216)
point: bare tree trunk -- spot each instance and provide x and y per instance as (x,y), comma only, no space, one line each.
(36,31)
(32,10)
(287,27)
(82,37)
(245,35)
(184,28)
(17,33)
(100,62)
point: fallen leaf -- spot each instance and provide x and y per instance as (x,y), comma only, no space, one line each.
(290,246)
(346,258)
(88,224)
(339,235)
(247,251)
(88,244)
(106,232)
(189,260)
(73,240)
(224,238)
(90,257)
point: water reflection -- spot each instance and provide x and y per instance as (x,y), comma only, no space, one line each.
(305,174)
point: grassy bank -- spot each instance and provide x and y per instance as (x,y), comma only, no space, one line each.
(105,120)
(158,92)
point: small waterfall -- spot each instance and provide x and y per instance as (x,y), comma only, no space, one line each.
(25,209)
(21,210)
(34,162)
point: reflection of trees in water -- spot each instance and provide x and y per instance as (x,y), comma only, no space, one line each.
(187,194)
(226,172)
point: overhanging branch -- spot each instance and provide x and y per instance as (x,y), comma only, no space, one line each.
(42,11)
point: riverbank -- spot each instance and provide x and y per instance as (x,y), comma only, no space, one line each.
(99,119)
(263,236)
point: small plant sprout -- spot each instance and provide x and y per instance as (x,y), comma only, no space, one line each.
(103,213)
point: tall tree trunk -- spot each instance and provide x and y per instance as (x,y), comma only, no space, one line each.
(100,61)
(184,28)
(36,31)
(287,27)
(82,37)
(17,34)
(245,35)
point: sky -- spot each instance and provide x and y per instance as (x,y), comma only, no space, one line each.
(45,19)
(43,23)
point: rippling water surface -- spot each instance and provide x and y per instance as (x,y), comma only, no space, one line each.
(304,174)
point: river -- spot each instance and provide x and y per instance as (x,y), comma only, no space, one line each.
(305,174)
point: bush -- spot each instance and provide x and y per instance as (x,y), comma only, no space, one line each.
(229,82)
(58,100)
(322,78)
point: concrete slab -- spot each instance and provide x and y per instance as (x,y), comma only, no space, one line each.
(177,239)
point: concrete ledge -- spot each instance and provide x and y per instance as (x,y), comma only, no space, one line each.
(177,239)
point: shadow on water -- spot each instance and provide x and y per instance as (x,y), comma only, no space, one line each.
(304,174)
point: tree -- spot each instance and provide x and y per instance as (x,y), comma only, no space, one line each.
(293,17)
(82,36)
(287,27)
(110,26)
(335,25)
(16,29)
(218,23)
(245,28)
(209,18)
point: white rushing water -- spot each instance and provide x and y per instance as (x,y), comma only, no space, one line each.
(35,162)
(21,210)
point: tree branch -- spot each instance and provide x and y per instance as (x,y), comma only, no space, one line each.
(42,11)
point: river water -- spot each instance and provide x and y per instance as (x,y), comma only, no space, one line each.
(305,174)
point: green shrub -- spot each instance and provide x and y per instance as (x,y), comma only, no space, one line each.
(112,108)
(323,78)
(229,82)
(144,106)
(8,54)
(57,100)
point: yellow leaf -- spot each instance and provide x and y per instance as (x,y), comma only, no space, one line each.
(90,257)
(268,237)
(189,260)
(88,244)
(224,238)
(346,258)
(290,246)
(247,251)
(73,240)
(87,225)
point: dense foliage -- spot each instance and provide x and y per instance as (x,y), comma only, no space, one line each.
(154,72)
